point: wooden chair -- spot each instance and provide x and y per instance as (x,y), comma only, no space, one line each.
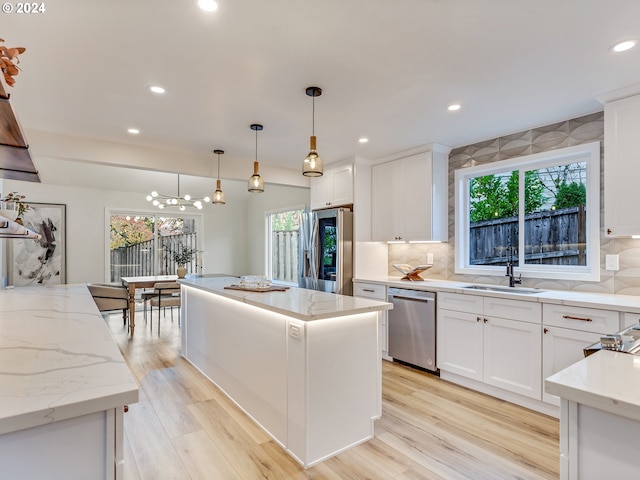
(110,297)
(167,295)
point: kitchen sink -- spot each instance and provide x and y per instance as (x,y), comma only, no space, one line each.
(518,290)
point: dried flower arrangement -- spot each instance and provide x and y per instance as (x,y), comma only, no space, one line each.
(17,199)
(9,61)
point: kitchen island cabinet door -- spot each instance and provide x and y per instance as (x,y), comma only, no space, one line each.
(84,447)
(512,356)
(460,345)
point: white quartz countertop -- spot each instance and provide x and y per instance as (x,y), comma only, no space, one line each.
(58,358)
(626,303)
(295,302)
(606,380)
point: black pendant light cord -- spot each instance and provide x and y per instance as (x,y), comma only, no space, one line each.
(256,144)
(218,166)
(313,115)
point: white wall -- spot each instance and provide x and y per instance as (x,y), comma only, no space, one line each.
(233,234)
(225,230)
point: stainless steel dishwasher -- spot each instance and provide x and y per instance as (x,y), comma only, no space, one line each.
(412,327)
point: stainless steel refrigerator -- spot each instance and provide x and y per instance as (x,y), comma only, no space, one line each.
(326,251)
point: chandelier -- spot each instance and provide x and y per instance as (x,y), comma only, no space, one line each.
(162,201)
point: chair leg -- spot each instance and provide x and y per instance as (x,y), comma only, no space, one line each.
(124,316)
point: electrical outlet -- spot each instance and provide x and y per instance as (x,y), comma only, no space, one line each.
(429,258)
(612,262)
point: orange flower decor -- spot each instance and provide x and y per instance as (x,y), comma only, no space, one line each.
(9,61)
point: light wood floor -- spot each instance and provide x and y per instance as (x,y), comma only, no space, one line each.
(184,428)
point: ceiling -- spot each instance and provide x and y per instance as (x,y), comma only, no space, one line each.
(388,71)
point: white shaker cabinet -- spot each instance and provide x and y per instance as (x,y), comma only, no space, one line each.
(621,166)
(567,330)
(492,340)
(562,347)
(377,292)
(460,345)
(333,189)
(409,197)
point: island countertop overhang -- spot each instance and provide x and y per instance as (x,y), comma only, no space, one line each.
(59,359)
(299,303)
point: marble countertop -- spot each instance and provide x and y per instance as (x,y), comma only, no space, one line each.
(626,303)
(295,302)
(58,358)
(606,380)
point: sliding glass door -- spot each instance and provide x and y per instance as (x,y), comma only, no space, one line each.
(143,244)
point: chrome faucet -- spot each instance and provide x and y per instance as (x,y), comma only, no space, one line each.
(513,281)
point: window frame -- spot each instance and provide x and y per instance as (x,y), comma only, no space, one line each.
(589,153)
(268,254)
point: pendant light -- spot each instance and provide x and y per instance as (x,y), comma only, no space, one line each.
(218,195)
(312,164)
(256,184)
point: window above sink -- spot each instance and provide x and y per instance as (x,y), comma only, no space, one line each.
(540,212)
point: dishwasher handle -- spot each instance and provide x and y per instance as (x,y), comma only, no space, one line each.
(413,299)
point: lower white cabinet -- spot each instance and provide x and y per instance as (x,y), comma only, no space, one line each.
(512,351)
(376,291)
(482,344)
(562,347)
(567,330)
(459,341)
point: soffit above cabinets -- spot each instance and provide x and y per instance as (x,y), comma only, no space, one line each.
(15,158)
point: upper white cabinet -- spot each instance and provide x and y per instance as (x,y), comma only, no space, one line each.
(333,189)
(621,166)
(409,197)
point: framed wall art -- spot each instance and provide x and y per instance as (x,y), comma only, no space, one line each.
(40,262)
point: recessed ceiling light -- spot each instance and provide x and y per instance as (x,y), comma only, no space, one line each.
(623,46)
(208,5)
(363,140)
(133,131)
(157,89)
(453,107)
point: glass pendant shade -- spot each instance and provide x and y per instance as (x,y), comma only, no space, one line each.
(256,184)
(218,195)
(312,164)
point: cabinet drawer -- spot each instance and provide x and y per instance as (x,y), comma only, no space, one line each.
(629,319)
(520,310)
(460,302)
(581,318)
(370,290)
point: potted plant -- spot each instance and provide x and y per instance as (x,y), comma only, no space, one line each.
(14,206)
(182,256)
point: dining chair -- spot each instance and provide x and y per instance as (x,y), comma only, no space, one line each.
(167,295)
(110,297)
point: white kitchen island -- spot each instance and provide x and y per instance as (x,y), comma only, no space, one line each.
(63,387)
(305,365)
(599,416)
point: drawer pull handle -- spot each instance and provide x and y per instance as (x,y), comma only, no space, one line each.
(371,290)
(582,319)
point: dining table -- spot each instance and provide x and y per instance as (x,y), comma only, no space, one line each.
(134,283)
